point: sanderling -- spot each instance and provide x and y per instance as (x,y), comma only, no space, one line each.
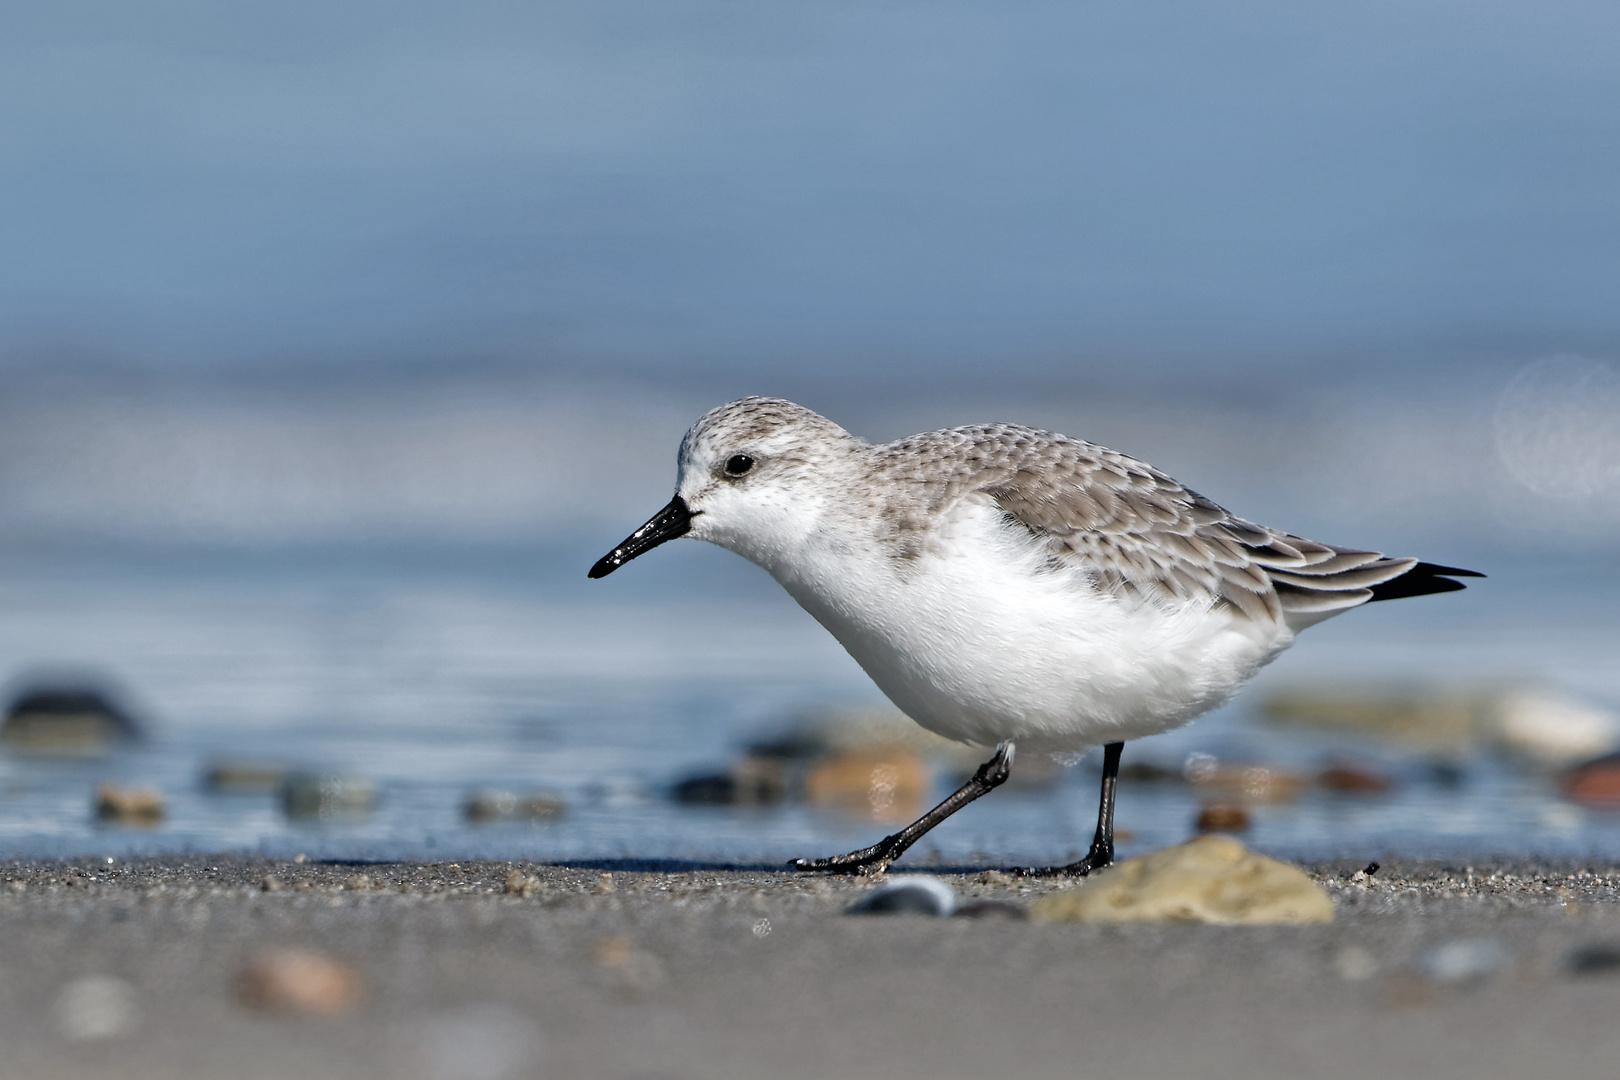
(1011,587)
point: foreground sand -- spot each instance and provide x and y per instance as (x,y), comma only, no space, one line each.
(648,972)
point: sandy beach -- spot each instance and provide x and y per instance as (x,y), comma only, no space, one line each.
(638,970)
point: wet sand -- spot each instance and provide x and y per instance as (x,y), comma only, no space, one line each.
(623,970)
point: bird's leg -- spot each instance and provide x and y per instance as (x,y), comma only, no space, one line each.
(1102,844)
(876,859)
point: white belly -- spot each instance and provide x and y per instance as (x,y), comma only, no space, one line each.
(977,641)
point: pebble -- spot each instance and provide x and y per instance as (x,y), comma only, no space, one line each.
(1532,721)
(885,784)
(1221,817)
(1247,783)
(1595,783)
(311,796)
(1552,728)
(96,1007)
(506,806)
(129,806)
(908,894)
(299,981)
(520,884)
(1350,779)
(604,885)
(1146,772)
(992,909)
(1463,960)
(244,777)
(1595,960)
(69,721)
(1213,879)
(754,780)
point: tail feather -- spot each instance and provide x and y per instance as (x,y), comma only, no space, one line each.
(1421,580)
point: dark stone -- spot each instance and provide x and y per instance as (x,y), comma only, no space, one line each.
(752,781)
(1221,817)
(908,896)
(800,745)
(1145,772)
(716,790)
(1595,960)
(1447,774)
(1353,780)
(67,720)
(993,909)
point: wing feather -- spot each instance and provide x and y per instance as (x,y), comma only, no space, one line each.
(1139,533)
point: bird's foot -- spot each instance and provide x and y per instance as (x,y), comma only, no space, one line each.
(865,862)
(1099,857)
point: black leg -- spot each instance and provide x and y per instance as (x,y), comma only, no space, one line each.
(1102,844)
(876,859)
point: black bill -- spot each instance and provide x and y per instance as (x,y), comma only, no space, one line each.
(670,522)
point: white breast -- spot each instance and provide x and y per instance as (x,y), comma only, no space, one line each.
(979,639)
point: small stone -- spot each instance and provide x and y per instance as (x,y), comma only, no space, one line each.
(299,981)
(604,885)
(245,777)
(992,909)
(507,806)
(520,884)
(309,796)
(96,1007)
(359,882)
(67,721)
(1351,780)
(1222,817)
(995,877)
(129,806)
(1146,772)
(883,784)
(1595,783)
(1595,960)
(271,883)
(755,780)
(908,894)
(1463,960)
(1213,879)
(1246,783)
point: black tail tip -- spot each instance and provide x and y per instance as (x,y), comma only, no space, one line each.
(1423,579)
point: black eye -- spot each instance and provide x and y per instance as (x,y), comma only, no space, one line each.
(738,464)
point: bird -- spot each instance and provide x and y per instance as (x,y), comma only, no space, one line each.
(1011,587)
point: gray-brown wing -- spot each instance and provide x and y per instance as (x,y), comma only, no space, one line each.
(1139,532)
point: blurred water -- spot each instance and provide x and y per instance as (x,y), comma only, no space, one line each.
(436,673)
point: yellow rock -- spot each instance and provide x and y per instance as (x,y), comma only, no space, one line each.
(129,806)
(1213,879)
(886,784)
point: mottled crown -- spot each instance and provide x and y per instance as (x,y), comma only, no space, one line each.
(757,420)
